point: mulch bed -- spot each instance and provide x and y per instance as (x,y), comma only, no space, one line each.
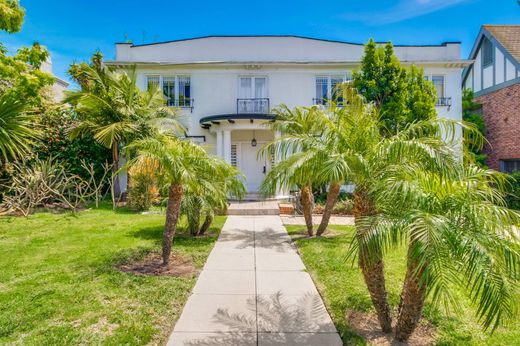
(152,265)
(366,325)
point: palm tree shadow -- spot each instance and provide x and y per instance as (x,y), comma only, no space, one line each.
(282,318)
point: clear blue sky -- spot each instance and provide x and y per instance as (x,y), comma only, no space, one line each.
(73,29)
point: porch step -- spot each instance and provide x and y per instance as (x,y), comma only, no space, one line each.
(254,208)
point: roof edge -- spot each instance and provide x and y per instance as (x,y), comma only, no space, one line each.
(443,44)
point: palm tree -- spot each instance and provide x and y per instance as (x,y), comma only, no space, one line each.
(350,147)
(300,129)
(182,166)
(112,108)
(202,203)
(458,231)
(16,129)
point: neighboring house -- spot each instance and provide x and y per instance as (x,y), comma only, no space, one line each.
(227,86)
(495,79)
(59,86)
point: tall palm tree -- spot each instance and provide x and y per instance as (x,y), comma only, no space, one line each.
(16,129)
(182,166)
(458,232)
(112,107)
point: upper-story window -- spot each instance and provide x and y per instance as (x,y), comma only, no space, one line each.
(326,88)
(439,82)
(487,52)
(252,95)
(176,89)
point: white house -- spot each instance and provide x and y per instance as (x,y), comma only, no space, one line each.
(227,85)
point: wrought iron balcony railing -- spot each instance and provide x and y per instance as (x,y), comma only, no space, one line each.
(183,102)
(326,102)
(443,102)
(253,106)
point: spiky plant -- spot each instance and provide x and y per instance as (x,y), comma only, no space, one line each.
(17,132)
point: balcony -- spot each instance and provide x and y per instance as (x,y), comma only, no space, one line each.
(184,102)
(326,102)
(443,102)
(253,106)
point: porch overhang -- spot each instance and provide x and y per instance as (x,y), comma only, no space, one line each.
(206,122)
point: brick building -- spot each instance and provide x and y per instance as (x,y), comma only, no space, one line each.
(495,78)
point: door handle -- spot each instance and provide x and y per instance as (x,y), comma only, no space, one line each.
(264,171)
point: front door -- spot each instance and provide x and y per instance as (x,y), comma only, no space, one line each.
(253,167)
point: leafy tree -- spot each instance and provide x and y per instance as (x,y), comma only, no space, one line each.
(402,96)
(55,141)
(470,114)
(20,74)
(11,16)
(458,232)
(112,108)
(182,166)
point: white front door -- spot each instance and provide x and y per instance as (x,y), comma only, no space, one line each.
(253,167)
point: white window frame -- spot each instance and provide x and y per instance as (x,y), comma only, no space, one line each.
(176,88)
(430,76)
(329,77)
(253,85)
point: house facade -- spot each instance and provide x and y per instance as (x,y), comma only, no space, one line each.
(495,78)
(227,86)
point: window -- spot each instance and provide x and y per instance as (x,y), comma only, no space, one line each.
(234,155)
(487,52)
(252,95)
(438,83)
(510,166)
(326,87)
(176,89)
(168,86)
(152,82)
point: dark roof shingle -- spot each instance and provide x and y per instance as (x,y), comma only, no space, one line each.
(508,36)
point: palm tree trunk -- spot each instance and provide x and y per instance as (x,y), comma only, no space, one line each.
(172,216)
(207,223)
(306,196)
(194,222)
(371,264)
(412,301)
(329,206)
(115,168)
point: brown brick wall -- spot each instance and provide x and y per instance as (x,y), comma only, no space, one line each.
(501,111)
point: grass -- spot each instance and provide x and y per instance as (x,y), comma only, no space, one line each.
(59,283)
(342,287)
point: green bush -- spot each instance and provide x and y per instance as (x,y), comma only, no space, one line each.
(513,197)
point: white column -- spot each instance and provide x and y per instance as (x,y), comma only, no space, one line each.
(219,144)
(226,143)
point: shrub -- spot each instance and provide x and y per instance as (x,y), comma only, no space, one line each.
(143,185)
(513,197)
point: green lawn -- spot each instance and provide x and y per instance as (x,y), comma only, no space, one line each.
(59,283)
(342,287)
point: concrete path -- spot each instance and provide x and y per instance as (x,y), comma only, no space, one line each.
(253,290)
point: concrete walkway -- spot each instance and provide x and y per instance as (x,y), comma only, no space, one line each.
(253,290)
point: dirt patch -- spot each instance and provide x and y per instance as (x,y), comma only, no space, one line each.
(367,326)
(152,265)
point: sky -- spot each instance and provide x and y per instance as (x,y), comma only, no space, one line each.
(72,29)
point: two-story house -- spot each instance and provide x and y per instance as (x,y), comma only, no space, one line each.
(495,79)
(226,86)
